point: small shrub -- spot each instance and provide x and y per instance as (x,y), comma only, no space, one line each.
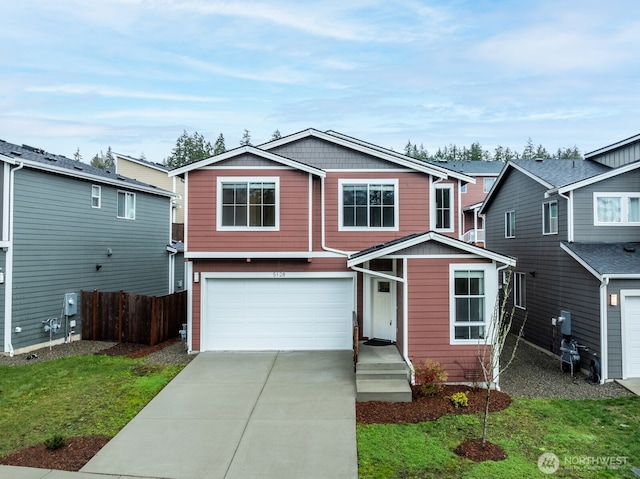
(55,442)
(430,375)
(459,399)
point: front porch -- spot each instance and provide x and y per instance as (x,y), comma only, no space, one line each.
(381,374)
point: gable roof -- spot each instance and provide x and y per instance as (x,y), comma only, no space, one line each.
(39,159)
(613,146)
(472,168)
(140,161)
(398,244)
(552,174)
(613,260)
(369,149)
(247,150)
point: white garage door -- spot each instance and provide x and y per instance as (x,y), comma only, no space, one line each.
(631,335)
(277,313)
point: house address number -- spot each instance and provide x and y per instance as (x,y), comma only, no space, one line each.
(279,274)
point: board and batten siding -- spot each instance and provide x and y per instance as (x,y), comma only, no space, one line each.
(584,228)
(59,239)
(619,156)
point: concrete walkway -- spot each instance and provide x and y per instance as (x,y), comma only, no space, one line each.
(632,385)
(238,415)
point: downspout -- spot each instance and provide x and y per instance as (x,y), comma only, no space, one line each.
(8,277)
(569,215)
(324,226)
(604,353)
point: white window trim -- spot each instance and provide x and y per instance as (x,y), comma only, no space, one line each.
(126,195)
(490,297)
(624,208)
(246,179)
(506,224)
(446,186)
(99,196)
(549,203)
(369,181)
(521,279)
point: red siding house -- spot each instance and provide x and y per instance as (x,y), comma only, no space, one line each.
(287,242)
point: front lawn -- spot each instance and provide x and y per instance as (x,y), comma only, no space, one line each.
(74,396)
(587,436)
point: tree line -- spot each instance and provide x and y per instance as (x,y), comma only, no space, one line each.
(194,147)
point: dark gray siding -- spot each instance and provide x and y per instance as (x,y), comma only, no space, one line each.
(584,229)
(618,157)
(3,256)
(248,160)
(328,156)
(59,239)
(430,248)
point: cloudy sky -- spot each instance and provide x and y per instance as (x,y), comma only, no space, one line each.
(133,74)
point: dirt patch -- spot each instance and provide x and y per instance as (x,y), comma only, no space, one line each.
(76,452)
(429,408)
(472,449)
(134,350)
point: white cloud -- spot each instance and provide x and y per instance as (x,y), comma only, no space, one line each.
(104,91)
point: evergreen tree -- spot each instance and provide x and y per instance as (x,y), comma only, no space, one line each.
(77,156)
(246,138)
(529,151)
(103,161)
(189,149)
(219,146)
(276,135)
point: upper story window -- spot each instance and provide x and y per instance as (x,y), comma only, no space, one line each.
(444,207)
(126,205)
(96,196)
(611,209)
(248,203)
(368,204)
(550,218)
(463,188)
(488,184)
(510,224)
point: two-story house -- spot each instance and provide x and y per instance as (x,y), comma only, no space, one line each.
(288,242)
(574,227)
(67,227)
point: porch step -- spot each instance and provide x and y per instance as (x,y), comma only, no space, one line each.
(364,374)
(388,390)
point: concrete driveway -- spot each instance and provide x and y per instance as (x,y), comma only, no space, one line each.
(244,415)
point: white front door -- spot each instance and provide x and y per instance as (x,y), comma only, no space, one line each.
(631,334)
(384,309)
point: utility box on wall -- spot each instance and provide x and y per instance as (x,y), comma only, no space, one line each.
(70,304)
(565,322)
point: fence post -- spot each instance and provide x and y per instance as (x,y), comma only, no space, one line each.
(120,314)
(95,314)
(154,322)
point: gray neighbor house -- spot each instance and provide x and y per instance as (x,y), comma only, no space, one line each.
(574,227)
(66,227)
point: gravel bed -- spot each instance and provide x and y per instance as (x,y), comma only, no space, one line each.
(175,353)
(536,374)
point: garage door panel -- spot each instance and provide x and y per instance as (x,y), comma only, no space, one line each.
(631,336)
(259,314)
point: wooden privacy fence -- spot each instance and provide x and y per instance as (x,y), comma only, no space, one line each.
(132,318)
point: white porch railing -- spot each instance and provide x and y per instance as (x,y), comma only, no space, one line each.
(473,236)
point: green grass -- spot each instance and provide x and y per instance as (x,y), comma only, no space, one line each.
(576,431)
(74,396)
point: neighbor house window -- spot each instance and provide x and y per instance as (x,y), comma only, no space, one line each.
(444,207)
(488,184)
(469,311)
(463,188)
(126,205)
(96,196)
(510,224)
(550,218)
(368,204)
(612,209)
(519,290)
(247,204)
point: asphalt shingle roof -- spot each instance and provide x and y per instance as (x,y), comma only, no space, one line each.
(471,168)
(561,173)
(29,153)
(609,258)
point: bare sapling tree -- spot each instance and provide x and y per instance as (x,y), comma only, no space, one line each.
(495,341)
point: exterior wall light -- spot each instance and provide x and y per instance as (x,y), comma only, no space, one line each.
(613,299)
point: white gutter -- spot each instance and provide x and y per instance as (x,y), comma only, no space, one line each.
(324,226)
(569,214)
(8,276)
(604,350)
